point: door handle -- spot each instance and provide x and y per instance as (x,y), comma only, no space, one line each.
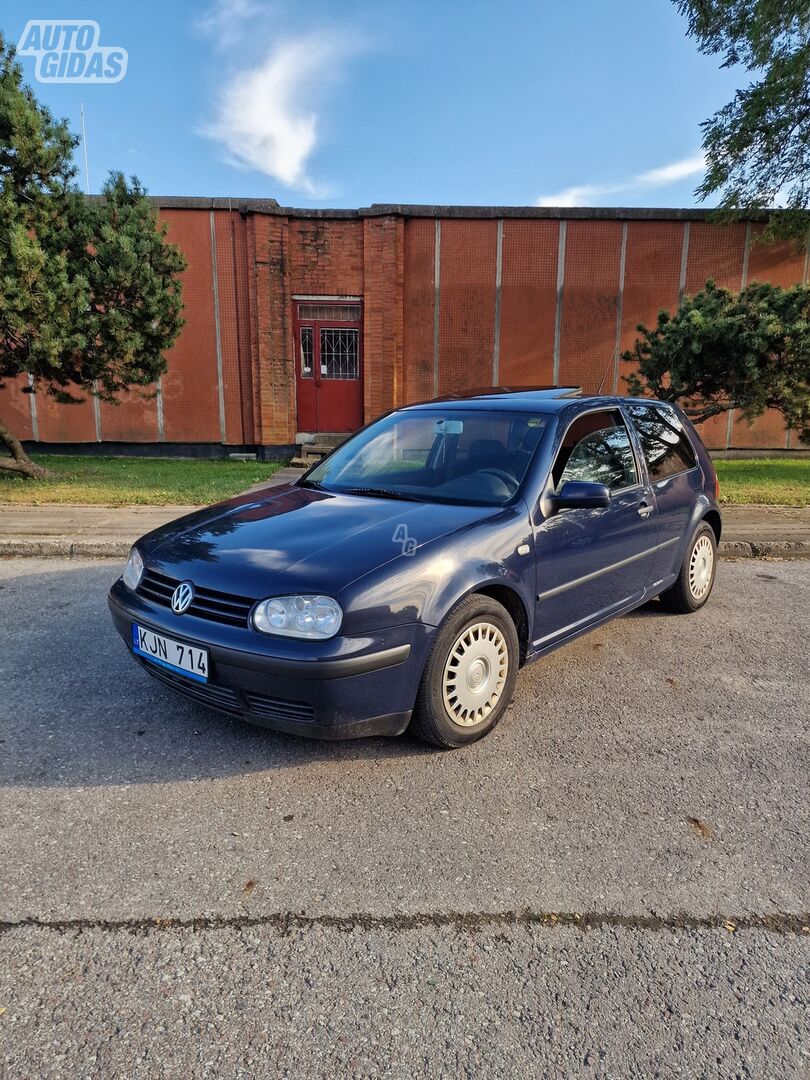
(644,510)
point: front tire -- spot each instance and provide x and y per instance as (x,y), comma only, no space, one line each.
(470,675)
(695,581)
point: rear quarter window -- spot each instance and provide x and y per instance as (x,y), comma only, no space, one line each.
(664,442)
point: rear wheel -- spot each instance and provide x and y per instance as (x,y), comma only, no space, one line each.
(470,675)
(694,583)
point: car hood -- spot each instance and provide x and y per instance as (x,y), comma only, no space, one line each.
(296,539)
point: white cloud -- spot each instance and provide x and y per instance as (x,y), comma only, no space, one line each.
(266,117)
(662,176)
(225,19)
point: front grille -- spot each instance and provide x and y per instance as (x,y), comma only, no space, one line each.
(207,603)
(270,708)
(217,697)
(233,702)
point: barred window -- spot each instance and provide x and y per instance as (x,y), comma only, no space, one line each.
(339,354)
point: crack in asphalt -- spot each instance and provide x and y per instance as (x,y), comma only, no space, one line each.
(286,922)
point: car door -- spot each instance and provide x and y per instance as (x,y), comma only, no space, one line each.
(676,480)
(593,562)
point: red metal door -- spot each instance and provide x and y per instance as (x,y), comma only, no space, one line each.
(329,365)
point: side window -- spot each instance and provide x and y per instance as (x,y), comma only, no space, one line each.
(596,448)
(666,446)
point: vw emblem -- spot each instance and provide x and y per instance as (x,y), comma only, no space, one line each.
(182,597)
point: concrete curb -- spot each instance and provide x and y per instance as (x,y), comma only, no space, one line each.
(765,549)
(65,547)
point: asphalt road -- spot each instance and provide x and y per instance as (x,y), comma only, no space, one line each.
(615,883)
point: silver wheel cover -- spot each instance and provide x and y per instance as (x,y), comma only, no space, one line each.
(475,673)
(701,564)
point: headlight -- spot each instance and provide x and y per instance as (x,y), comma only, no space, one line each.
(299,616)
(133,571)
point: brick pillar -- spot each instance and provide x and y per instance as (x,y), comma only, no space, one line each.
(271,337)
(383,276)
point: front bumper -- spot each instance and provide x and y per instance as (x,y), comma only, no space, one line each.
(329,690)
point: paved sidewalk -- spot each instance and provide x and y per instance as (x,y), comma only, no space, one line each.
(67,530)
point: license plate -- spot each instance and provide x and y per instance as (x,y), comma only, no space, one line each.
(188,660)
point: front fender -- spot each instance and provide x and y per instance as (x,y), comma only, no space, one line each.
(424,586)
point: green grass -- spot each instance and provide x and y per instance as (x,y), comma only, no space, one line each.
(126,481)
(777,481)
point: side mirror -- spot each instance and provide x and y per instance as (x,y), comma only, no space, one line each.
(580,495)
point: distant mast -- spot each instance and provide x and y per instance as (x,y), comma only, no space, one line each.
(84,147)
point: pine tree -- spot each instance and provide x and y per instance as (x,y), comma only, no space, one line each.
(723,350)
(90,296)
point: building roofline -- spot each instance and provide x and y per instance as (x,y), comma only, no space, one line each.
(411,210)
(554,213)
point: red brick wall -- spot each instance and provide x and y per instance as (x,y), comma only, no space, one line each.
(418,308)
(716,253)
(66,423)
(528,302)
(273,365)
(590,304)
(315,256)
(326,257)
(263,259)
(133,419)
(652,269)
(383,254)
(15,408)
(234,306)
(467,304)
(190,397)
(778,264)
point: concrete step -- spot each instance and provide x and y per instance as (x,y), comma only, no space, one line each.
(309,456)
(313,447)
(329,439)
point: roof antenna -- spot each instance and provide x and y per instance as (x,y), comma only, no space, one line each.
(610,363)
(84,145)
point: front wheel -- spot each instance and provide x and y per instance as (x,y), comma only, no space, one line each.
(470,675)
(694,583)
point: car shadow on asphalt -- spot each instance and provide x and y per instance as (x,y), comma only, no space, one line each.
(77,711)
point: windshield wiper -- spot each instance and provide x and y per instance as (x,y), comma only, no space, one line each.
(310,484)
(382,493)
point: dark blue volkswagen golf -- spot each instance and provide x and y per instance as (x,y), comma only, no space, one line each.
(403,581)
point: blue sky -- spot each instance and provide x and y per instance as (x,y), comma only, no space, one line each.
(577,102)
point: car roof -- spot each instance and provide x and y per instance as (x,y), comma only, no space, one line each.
(538,399)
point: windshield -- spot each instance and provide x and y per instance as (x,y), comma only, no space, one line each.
(451,456)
